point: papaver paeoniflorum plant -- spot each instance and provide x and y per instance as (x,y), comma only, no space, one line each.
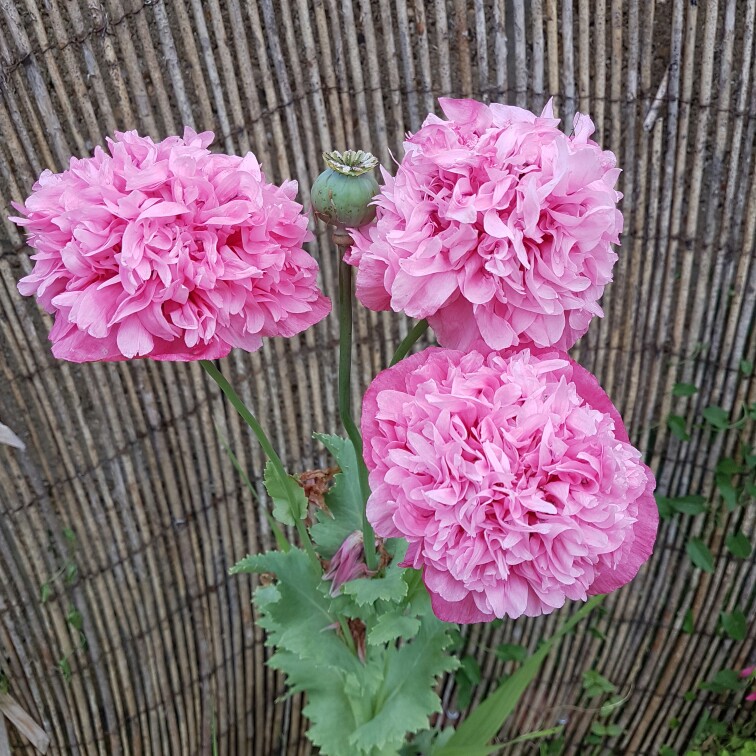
(511,477)
(169,251)
(495,478)
(496,227)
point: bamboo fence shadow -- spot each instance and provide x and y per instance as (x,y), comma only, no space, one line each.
(124,504)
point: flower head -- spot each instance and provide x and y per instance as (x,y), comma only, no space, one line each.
(166,250)
(497,226)
(348,563)
(512,478)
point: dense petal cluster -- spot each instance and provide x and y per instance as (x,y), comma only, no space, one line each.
(512,478)
(166,250)
(497,226)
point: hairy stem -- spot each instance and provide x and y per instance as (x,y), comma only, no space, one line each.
(408,341)
(345,402)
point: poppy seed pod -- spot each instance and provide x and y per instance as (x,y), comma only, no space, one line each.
(342,193)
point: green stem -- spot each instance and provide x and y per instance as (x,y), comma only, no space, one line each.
(267,447)
(345,402)
(407,343)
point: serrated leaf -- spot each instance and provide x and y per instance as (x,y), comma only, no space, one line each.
(389,627)
(739,545)
(391,587)
(511,652)
(734,624)
(296,614)
(678,426)
(716,417)
(700,555)
(407,696)
(329,708)
(344,499)
(684,389)
(288,497)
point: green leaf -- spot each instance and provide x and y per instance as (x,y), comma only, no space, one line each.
(70,536)
(739,545)
(487,718)
(734,624)
(700,555)
(44,593)
(687,625)
(296,613)
(389,627)
(289,500)
(606,730)
(72,572)
(727,465)
(74,619)
(746,367)
(407,696)
(665,508)
(329,707)
(678,426)
(716,417)
(391,587)
(724,680)
(511,652)
(64,667)
(684,389)
(693,504)
(344,499)
(595,684)
(727,491)
(470,668)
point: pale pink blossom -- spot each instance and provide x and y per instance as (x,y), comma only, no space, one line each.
(497,226)
(166,250)
(512,478)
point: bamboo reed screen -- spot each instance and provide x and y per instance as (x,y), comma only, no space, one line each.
(124,505)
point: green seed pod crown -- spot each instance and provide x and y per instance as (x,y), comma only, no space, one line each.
(342,193)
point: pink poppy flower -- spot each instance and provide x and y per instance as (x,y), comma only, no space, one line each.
(511,477)
(497,226)
(166,250)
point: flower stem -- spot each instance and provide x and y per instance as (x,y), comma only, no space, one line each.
(403,350)
(267,447)
(345,402)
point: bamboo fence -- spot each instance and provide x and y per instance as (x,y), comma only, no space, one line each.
(119,521)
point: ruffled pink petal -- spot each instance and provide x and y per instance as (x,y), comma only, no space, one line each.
(511,477)
(166,250)
(496,226)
